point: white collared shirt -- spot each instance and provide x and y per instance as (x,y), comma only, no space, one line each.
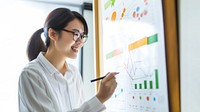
(43,89)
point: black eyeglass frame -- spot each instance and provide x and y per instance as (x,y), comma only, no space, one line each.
(79,35)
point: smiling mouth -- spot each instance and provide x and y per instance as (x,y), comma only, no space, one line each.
(75,49)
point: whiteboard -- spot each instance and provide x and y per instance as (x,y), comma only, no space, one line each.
(133,44)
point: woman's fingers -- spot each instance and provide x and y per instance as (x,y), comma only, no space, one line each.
(110,75)
(107,87)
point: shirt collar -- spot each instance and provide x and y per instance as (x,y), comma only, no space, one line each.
(46,64)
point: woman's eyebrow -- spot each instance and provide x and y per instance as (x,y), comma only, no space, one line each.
(76,30)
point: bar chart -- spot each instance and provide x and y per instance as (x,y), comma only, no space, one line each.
(148,84)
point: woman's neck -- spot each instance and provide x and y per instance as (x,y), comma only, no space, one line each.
(58,61)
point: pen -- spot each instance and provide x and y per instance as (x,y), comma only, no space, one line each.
(101,77)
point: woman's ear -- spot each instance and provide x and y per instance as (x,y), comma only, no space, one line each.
(53,35)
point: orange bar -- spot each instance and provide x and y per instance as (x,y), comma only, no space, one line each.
(138,43)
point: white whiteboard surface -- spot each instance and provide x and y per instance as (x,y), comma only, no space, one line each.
(133,44)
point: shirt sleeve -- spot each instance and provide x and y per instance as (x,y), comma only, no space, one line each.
(34,96)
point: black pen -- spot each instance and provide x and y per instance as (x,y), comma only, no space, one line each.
(101,77)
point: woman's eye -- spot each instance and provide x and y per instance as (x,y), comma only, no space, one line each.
(76,34)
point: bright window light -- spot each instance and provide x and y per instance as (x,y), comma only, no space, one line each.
(19,20)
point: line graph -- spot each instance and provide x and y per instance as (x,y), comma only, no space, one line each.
(136,69)
(132,69)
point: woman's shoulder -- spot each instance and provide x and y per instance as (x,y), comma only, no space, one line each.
(33,74)
(32,65)
(33,68)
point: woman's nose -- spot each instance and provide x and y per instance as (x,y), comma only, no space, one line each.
(79,42)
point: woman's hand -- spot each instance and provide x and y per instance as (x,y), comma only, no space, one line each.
(107,87)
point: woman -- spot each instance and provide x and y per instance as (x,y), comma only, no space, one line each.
(48,83)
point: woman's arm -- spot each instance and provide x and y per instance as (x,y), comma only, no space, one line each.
(34,96)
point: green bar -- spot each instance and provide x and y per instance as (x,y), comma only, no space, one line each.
(109,55)
(145,84)
(107,4)
(135,86)
(151,84)
(152,39)
(140,86)
(140,97)
(156,75)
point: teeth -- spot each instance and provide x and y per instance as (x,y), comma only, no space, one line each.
(74,48)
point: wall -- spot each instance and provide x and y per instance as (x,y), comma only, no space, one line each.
(189,23)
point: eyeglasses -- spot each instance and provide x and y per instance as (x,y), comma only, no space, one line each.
(77,36)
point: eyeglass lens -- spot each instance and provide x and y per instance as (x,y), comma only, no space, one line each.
(78,36)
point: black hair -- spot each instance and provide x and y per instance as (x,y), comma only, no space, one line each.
(57,20)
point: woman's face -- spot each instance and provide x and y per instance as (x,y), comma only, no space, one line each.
(66,45)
